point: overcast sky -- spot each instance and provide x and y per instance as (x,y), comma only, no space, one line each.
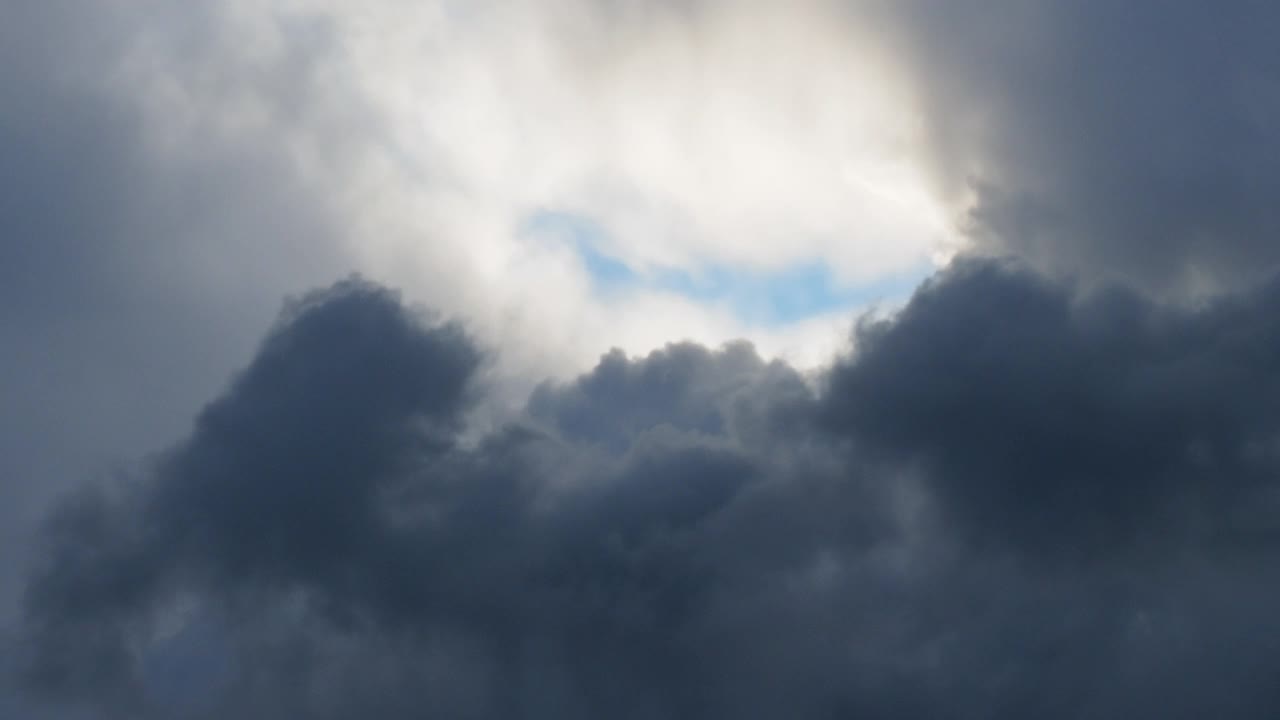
(611,358)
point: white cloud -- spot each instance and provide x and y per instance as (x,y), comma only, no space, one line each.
(748,135)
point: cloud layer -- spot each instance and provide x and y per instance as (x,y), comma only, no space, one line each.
(1055,514)
(1043,488)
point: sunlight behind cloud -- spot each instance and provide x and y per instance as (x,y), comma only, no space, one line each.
(734,140)
(759,137)
(723,133)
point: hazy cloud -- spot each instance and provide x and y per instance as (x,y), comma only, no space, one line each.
(140,259)
(1117,141)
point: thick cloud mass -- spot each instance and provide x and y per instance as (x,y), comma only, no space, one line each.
(1073,425)
(1121,140)
(1011,501)
(1014,498)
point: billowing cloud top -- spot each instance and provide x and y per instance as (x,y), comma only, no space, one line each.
(1001,440)
(1055,514)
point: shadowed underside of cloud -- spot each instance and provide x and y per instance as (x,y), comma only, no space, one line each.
(1013,500)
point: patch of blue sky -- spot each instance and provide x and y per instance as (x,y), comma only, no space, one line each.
(762,299)
(785,296)
(582,236)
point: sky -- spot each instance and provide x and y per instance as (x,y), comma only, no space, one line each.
(639,359)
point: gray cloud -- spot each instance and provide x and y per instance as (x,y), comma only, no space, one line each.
(141,256)
(1053,515)
(1016,499)
(1080,425)
(1123,141)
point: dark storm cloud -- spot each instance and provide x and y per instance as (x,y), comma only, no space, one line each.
(1130,140)
(1014,500)
(332,468)
(1076,425)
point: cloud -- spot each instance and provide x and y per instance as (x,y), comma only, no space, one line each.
(1119,142)
(1013,498)
(1071,425)
(1054,514)
(672,126)
(139,259)
(175,170)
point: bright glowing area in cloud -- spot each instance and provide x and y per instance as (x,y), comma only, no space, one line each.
(737,141)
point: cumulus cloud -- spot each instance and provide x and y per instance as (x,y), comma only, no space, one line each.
(1016,497)
(173,170)
(1078,426)
(1054,514)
